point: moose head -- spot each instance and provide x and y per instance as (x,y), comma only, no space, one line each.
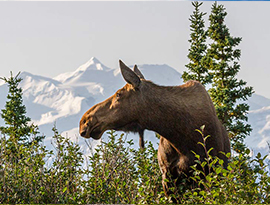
(120,111)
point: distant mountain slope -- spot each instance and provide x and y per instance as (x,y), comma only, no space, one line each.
(65,98)
(257,102)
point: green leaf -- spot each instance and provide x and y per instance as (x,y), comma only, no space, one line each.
(64,190)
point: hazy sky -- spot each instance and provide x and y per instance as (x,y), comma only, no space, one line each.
(49,38)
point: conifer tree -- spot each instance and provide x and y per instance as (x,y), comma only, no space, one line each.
(18,126)
(227,92)
(199,62)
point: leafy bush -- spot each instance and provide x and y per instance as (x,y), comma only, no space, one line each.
(117,173)
(21,171)
(27,177)
(244,181)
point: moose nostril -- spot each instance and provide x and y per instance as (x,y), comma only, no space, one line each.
(83,133)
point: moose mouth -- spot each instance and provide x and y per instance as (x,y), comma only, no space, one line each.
(96,132)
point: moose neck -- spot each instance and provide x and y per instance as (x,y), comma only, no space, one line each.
(169,111)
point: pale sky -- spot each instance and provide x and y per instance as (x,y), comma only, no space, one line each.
(49,38)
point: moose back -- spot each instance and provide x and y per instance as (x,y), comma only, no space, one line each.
(174,112)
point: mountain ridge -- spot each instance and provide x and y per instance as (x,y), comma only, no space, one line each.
(66,97)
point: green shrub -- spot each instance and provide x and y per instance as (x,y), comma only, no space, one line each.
(244,181)
(22,172)
(117,173)
(64,175)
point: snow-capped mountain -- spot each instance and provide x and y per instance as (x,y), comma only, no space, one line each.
(64,99)
(93,66)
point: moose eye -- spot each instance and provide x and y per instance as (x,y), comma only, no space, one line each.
(118,95)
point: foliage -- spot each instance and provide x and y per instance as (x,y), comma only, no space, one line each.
(14,116)
(227,92)
(64,174)
(244,181)
(117,173)
(111,168)
(32,179)
(199,61)
(22,173)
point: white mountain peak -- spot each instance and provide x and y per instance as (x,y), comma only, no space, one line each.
(94,60)
(83,71)
(92,64)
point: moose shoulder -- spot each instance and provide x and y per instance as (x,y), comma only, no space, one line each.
(174,112)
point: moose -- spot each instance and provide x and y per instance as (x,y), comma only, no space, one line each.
(174,112)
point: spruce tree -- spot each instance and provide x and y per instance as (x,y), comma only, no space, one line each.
(18,127)
(199,62)
(227,92)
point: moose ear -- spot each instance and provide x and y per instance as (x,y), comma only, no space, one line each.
(138,72)
(129,76)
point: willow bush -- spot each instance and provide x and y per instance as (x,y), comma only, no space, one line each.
(118,173)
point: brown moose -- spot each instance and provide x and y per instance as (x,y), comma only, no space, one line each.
(174,112)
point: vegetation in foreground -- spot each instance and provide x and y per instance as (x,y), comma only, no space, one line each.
(116,173)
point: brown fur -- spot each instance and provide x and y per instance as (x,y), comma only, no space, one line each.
(174,112)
